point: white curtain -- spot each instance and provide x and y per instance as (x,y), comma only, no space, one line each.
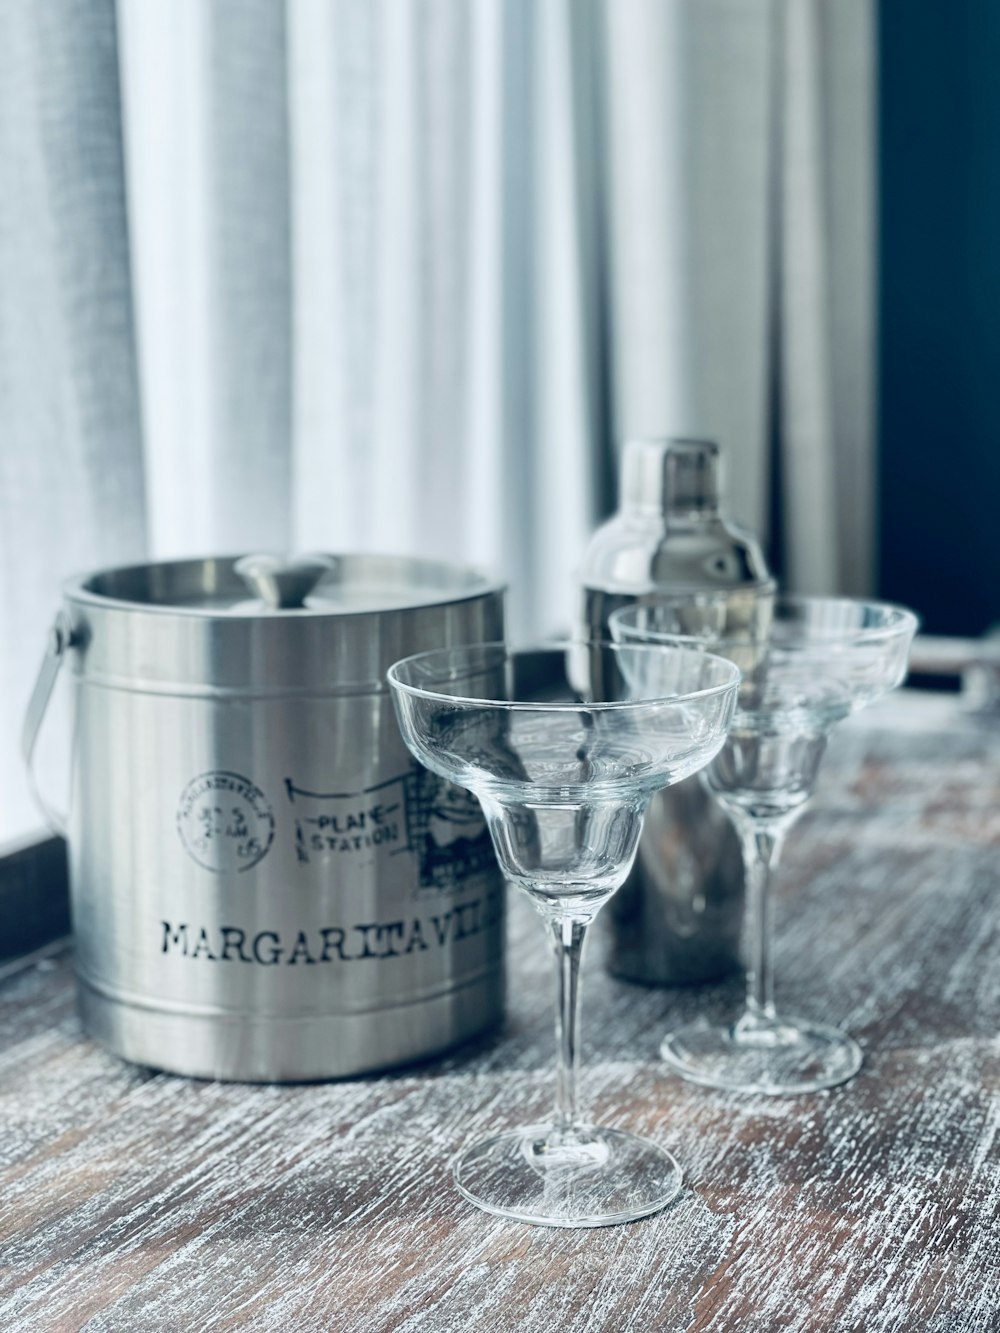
(395,274)
(741,195)
(362,294)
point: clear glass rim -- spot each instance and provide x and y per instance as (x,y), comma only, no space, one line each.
(898,620)
(562,706)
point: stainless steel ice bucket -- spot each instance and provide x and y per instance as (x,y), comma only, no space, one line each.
(264,884)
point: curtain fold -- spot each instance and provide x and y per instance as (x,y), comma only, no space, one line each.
(72,491)
(362,274)
(207,160)
(441,301)
(742,202)
(688,161)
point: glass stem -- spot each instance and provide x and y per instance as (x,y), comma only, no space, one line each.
(762,845)
(567,942)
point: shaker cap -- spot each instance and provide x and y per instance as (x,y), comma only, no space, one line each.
(666,474)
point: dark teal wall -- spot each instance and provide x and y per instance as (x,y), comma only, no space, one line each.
(939,242)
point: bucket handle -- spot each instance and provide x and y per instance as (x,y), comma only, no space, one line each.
(61,638)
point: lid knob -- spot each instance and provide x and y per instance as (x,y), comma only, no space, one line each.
(667,474)
(283,582)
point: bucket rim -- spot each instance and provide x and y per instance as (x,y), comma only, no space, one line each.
(478,583)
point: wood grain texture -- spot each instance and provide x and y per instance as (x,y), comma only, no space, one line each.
(131,1200)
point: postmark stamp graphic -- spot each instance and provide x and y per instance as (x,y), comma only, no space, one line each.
(412,812)
(225,822)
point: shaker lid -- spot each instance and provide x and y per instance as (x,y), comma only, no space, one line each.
(665,475)
(669,530)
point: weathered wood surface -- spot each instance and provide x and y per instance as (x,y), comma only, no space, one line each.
(134,1201)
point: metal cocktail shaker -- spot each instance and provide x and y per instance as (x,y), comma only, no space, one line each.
(677,918)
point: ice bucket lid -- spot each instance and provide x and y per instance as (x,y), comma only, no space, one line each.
(198,625)
(342,583)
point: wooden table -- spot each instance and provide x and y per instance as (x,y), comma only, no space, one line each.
(131,1200)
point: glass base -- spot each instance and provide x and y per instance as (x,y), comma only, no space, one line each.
(585,1178)
(782,1057)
